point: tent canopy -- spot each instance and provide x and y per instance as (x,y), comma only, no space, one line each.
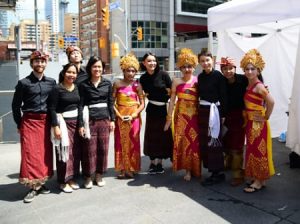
(279,20)
(239,13)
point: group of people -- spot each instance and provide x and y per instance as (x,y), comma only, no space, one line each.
(192,120)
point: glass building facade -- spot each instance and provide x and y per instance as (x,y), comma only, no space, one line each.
(196,7)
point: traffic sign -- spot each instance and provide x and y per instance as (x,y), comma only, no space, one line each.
(70,39)
(114,5)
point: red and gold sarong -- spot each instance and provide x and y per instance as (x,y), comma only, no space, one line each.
(258,160)
(186,153)
(127,133)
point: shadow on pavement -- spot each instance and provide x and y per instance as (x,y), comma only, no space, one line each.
(278,202)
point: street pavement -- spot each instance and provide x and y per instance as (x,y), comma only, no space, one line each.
(152,199)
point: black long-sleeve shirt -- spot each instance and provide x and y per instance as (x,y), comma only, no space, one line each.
(31,95)
(236,92)
(82,76)
(212,88)
(62,100)
(89,95)
(155,86)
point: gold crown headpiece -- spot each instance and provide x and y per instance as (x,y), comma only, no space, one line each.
(129,61)
(186,56)
(253,57)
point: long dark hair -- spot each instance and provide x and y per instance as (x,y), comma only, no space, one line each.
(143,67)
(91,62)
(64,70)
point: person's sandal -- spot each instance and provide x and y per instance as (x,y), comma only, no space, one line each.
(129,175)
(121,176)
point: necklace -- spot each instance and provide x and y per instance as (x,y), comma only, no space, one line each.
(68,88)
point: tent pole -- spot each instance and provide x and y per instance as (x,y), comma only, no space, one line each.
(210,42)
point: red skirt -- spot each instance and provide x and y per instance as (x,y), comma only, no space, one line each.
(95,153)
(235,136)
(71,168)
(36,149)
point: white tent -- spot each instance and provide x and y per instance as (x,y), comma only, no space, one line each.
(280,21)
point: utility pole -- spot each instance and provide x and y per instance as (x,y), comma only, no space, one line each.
(126,26)
(36,25)
(91,44)
(171,43)
(18,49)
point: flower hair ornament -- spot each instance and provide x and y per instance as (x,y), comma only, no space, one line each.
(253,57)
(227,61)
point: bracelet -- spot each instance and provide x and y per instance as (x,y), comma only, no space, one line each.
(169,117)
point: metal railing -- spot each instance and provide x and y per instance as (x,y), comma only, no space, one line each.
(111,77)
(4,93)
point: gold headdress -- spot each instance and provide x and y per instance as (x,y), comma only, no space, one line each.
(253,57)
(186,56)
(129,61)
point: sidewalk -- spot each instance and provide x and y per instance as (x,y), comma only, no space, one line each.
(163,199)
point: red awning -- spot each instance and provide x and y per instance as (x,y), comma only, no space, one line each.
(185,28)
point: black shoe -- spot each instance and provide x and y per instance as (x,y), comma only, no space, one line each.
(220,177)
(159,168)
(152,169)
(30,196)
(43,190)
(213,179)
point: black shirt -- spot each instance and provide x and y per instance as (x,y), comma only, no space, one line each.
(82,76)
(33,93)
(236,92)
(62,100)
(155,86)
(90,95)
(212,88)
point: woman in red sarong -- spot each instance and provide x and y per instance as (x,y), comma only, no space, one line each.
(258,106)
(128,106)
(186,153)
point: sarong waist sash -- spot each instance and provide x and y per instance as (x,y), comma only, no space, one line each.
(70,114)
(157,103)
(126,101)
(250,115)
(35,116)
(188,107)
(207,103)
(98,105)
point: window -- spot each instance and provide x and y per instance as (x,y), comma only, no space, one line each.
(155,34)
(196,7)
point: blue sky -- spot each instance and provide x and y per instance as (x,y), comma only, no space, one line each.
(25,10)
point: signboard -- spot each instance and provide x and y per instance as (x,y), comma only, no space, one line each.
(114,5)
(70,39)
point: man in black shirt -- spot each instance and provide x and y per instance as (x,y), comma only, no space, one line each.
(234,138)
(31,100)
(75,56)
